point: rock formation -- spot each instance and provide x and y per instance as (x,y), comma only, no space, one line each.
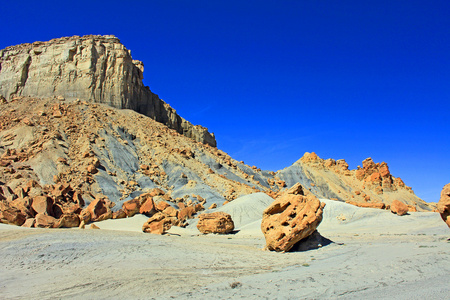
(368,185)
(94,68)
(290,218)
(216,222)
(444,204)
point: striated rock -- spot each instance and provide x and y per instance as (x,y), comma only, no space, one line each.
(399,208)
(290,218)
(94,67)
(157,224)
(216,222)
(443,205)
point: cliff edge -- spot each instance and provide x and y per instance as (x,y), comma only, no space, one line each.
(94,68)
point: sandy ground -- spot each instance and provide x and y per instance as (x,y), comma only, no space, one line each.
(373,255)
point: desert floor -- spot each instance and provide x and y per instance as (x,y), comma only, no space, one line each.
(372,254)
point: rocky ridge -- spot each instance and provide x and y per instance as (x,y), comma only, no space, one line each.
(94,68)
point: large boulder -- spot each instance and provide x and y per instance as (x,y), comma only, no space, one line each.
(45,221)
(443,205)
(68,221)
(97,210)
(216,222)
(399,208)
(291,217)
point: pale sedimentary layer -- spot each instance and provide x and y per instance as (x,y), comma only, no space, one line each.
(95,68)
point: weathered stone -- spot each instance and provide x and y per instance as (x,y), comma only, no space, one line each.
(120,214)
(378,205)
(157,224)
(45,221)
(216,222)
(29,223)
(93,226)
(443,205)
(42,205)
(290,218)
(98,210)
(131,207)
(12,216)
(68,221)
(399,208)
(186,213)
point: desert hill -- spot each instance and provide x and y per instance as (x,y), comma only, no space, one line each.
(75,114)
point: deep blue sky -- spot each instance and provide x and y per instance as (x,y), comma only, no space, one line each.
(274,79)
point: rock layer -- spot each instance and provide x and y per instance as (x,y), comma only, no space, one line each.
(93,67)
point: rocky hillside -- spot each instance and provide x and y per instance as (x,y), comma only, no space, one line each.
(332,179)
(92,68)
(66,143)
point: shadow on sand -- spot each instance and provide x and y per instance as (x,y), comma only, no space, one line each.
(314,241)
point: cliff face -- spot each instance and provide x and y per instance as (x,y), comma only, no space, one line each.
(94,68)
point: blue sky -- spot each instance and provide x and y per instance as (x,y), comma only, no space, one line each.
(274,79)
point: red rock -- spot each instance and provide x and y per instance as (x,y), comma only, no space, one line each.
(148,207)
(45,221)
(186,213)
(443,205)
(42,205)
(170,211)
(398,208)
(162,205)
(157,224)
(91,169)
(212,206)
(290,218)
(12,216)
(217,222)
(77,198)
(156,192)
(131,207)
(120,214)
(384,170)
(359,174)
(98,210)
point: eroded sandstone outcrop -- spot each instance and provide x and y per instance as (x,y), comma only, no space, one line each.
(290,218)
(93,67)
(444,204)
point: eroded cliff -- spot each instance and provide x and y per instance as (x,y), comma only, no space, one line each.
(93,68)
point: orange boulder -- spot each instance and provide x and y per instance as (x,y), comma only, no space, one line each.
(399,208)
(217,222)
(290,218)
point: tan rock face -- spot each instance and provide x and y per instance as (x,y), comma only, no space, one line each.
(69,67)
(290,218)
(217,222)
(42,205)
(443,206)
(45,221)
(399,208)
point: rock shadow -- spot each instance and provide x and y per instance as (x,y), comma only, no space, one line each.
(314,241)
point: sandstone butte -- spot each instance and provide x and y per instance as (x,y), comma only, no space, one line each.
(292,217)
(71,155)
(92,67)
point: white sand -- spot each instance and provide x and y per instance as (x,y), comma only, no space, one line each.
(375,255)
